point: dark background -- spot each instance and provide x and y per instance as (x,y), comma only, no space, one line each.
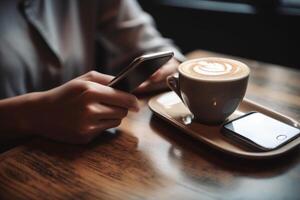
(265,30)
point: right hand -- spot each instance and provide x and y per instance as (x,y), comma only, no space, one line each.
(79,110)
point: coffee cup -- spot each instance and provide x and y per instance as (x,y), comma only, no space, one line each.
(211,88)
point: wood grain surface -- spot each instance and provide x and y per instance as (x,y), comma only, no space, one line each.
(146,158)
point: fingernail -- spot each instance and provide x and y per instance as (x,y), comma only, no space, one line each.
(156,77)
(135,109)
(135,106)
(143,84)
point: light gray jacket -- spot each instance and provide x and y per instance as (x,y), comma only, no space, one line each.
(44,43)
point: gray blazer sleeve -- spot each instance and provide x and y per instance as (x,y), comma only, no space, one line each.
(126,31)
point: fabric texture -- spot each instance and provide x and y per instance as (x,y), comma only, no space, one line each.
(46,43)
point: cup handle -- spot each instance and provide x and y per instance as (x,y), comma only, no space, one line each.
(173,84)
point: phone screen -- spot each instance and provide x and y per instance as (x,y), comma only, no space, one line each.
(140,70)
(260,131)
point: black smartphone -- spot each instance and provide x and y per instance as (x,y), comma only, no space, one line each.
(260,131)
(139,70)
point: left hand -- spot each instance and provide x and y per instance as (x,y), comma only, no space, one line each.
(158,80)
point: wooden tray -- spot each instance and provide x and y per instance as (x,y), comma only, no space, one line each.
(169,107)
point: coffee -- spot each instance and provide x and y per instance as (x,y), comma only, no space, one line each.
(214,69)
(211,88)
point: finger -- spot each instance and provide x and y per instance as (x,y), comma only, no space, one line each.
(96,77)
(151,87)
(165,71)
(103,125)
(157,80)
(144,84)
(156,77)
(143,87)
(162,73)
(93,131)
(113,97)
(101,111)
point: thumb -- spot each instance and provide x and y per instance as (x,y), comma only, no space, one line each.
(96,77)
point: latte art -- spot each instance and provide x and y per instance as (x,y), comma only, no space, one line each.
(214,69)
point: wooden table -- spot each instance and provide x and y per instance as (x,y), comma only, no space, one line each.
(146,158)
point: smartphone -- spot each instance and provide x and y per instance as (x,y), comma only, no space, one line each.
(260,131)
(139,70)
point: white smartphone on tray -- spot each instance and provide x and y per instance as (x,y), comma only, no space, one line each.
(260,131)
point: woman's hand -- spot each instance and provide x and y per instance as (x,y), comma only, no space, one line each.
(79,110)
(74,112)
(158,80)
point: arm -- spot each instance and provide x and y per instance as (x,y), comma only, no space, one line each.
(14,115)
(75,112)
(126,31)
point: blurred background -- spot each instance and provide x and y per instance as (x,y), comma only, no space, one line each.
(264,30)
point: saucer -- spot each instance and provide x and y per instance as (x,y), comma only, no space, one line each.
(169,107)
